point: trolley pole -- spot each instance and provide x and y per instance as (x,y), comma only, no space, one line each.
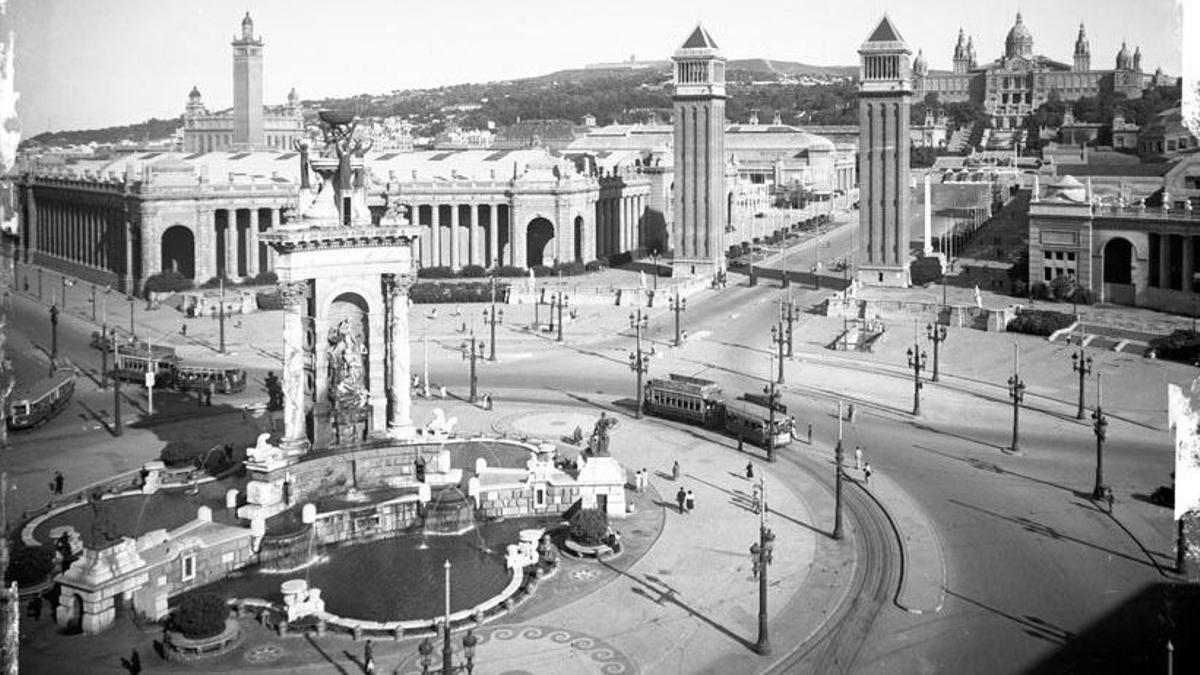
(837,461)
(787,312)
(677,305)
(773,396)
(472,349)
(1016,390)
(937,334)
(780,340)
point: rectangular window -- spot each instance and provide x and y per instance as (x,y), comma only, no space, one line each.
(189,567)
(1048,273)
(539,497)
(1048,254)
(1070,256)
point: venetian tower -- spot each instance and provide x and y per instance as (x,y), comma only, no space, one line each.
(698,232)
(247,87)
(883,146)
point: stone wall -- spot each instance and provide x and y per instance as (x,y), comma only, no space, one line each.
(367,523)
(512,501)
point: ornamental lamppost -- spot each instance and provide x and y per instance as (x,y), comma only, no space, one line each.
(117,426)
(1016,390)
(837,479)
(787,312)
(1082,364)
(677,305)
(431,314)
(654,257)
(491,317)
(937,334)
(773,397)
(917,360)
(469,642)
(762,555)
(472,349)
(1100,428)
(66,283)
(132,333)
(779,339)
(558,300)
(53,336)
(639,362)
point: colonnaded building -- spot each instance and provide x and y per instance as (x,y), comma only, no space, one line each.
(1015,84)
(116,220)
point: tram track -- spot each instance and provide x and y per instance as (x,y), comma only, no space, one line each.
(836,644)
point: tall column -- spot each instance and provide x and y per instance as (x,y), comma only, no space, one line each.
(295,297)
(128,271)
(252,244)
(436,254)
(455,263)
(34,225)
(231,237)
(270,251)
(493,253)
(928,240)
(477,235)
(399,356)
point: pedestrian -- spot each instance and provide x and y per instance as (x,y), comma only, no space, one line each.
(58,482)
(749,470)
(368,658)
(850,416)
(810,433)
(680,498)
(741,444)
(675,470)
(858,457)
(212,389)
(690,500)
(135,662)
(645,479)
(1108,493)
(183,329)
(867,473)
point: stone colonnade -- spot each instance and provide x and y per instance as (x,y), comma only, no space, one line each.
(619,224)
(457,234)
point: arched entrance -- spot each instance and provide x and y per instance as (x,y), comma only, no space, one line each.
(579,239)
(179,251)
(1118,261)
(539,237)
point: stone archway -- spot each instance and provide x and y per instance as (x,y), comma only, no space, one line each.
(1118,261)
(179,251)
(539,242)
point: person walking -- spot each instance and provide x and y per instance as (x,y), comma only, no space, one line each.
(368,658)
(810,433)
(741,444)
(749,470)
(850,416)
(58,482)
(645,480)
(867,473)
(675,470)
(858,457)
(681,498)
(690,501)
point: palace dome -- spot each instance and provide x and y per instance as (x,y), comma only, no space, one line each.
(1019,41)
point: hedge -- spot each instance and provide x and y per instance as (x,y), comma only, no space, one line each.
(925,270)
(542,270)
(570,269)
(265,278)
(215,282)
(424,293)
(30,565)
(589,526)
(269,300)
(169,281)
(180,453)
(596,265)
(440,272)
(472,272)
(199,616)
(1181,345)
(510,271)
(1039,322)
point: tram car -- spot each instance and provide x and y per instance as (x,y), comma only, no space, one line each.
(133,360)
(698,401)
(189,376)
(35,404)
(132,365)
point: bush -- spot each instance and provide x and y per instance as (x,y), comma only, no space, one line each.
(1039,322)
(589,527)
(472,272)
(597,265)
(925,270)
(169,281)
(267,278)
(510,271)
(1181,345)
(570,269)
(30,565)
(542,271)
(179,453)
(429,292)
(215,282)
(1020,289)
(199,616)
(1040,291)
(1019,270)
(441,272)
(1063,287)
(1081,296)
(269,300)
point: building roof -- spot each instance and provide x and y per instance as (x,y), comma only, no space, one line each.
(738,138)
(700,39)
(885,32)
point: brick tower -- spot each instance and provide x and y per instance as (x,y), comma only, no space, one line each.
(883,146)
(247,87)
(698,232)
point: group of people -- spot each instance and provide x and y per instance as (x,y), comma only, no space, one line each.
(56,483)
(686,500)
(641,479)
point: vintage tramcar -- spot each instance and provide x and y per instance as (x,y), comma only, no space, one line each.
(131,365)
(699,401)
(190,376)
(32,405)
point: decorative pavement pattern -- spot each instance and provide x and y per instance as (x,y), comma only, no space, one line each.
(542,649)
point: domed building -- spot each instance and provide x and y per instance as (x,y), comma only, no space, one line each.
(1016,83)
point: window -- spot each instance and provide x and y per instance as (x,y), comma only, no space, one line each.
(189,567)
(539,497)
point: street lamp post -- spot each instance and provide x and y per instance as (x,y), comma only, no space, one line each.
(558,300)
(132,332)
(1082,364)
(469,642)
(654,257)
(431,314)
(1016,390)
(938,335)
(779,339)
(677,305)
(753,279)
(93,303)
(1100,428)
(66,283)
(773,397)
(220,315)
(787,312)
(117,426)
(53,336)
(639,362)
(917,360)
(762,555)
(491,317)
(39,284)
(472,349)
(837,479)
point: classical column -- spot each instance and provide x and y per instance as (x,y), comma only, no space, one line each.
(426,237)
(252,244)
(477,236)
(274,224)
(399,355)
(34,226)
(493,238)
(128,271)
(231,237)
(455,263)
(295,298)
(436,254)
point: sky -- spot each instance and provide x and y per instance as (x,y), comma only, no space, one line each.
(94,63)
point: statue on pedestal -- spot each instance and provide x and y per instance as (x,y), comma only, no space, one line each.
(347,386)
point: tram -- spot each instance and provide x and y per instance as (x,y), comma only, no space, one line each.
(699,401)
(189,376)
(33,405)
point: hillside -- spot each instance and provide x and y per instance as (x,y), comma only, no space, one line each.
(151,130)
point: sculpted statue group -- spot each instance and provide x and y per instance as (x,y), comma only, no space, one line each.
(347,382)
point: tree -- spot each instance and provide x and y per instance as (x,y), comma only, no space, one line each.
(589,526)
(199,616)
